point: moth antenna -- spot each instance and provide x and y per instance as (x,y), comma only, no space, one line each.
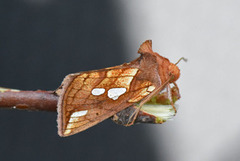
(182,58)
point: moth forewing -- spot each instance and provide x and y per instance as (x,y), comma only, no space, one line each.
(88,100)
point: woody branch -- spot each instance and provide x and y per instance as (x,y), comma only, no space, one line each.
(28,100)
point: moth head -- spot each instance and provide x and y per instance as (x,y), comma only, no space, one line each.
(174,71)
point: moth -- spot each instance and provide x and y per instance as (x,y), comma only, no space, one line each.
(87,98)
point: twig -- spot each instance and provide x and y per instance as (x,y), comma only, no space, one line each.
(28,100)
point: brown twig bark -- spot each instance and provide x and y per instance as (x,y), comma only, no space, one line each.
(28,100)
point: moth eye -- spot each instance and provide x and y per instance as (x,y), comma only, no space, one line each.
(174,72)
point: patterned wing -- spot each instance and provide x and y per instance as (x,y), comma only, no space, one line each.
(91,97)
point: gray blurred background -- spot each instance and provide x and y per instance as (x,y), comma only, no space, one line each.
(41,41)
(207,126)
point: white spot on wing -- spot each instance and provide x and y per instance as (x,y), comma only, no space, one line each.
(79,113)
(150,88)
(73,119)
(67,132)
(98,91)
(70,126)
(114,93)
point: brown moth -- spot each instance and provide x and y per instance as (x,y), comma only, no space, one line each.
(87,98)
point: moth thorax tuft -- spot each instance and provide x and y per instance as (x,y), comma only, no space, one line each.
(174,71)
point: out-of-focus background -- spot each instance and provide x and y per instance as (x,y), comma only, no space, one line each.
(41,41)
(207,126)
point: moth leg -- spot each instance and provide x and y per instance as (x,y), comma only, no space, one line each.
(146,99)
(175,84)
(133,116)
(169,93)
